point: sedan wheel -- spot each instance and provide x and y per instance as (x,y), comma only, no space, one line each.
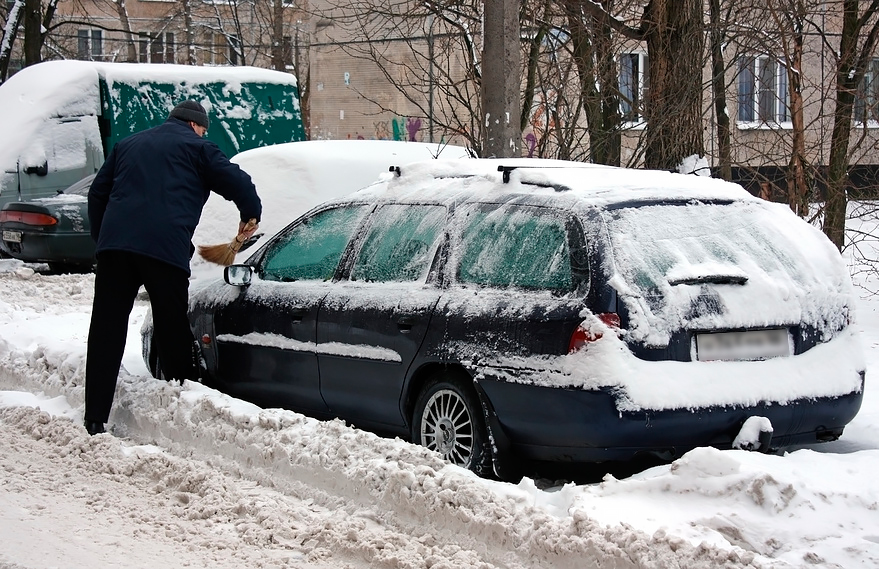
(448,419)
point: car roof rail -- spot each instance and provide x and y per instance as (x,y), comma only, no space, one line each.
(507,169)
(557,187)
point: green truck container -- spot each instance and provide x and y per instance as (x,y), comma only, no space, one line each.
(59,119)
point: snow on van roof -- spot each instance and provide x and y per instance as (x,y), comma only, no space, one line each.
(41,91)
(70,88)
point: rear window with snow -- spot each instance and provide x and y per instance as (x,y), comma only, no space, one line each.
(515,246)
(675,244)
(710,266)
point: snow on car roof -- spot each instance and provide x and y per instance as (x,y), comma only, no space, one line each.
(567,182)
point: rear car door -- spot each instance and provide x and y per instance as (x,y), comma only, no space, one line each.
(266,346)
(371,326)
(521,287)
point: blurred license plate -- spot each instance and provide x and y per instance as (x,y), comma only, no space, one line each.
(743,346)
(12,236)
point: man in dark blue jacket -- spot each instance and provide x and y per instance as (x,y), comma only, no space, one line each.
(143,207)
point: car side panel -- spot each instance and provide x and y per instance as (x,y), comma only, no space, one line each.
(265,346)
(378,331)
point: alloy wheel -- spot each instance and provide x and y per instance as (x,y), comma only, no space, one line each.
(446,427)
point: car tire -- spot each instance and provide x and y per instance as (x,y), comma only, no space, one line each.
(448,419)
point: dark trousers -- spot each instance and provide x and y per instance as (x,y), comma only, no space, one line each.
(119,276)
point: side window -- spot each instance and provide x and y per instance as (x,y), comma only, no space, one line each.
(312,249)
(400,243)
(519,247)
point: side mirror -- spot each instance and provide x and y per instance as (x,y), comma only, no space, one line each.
(41,170)
(238,275)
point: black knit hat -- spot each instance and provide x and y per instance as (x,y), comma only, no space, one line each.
(191,111)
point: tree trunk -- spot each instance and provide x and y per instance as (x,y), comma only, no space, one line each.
(130,45)
(849,73)
(597,69)
(278,36)
(33,19)
(718,86)
(674,33)
(797,186)
(531,73)
(189,33)
(8,39)
(501,84)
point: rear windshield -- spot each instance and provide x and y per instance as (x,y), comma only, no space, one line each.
(667,245)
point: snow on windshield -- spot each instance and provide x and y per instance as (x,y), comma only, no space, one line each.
(765,267)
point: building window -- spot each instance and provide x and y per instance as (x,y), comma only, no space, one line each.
(287,52)
(867,97)
(156,48)
(89,44)
(214,48)
(633,86)
(234,47)
(763,92)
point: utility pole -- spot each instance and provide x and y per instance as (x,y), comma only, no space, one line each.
(501,84)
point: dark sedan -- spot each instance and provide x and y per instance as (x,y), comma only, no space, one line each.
(543,312)
(51,230)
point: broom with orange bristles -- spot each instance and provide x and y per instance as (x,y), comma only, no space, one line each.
(224,254)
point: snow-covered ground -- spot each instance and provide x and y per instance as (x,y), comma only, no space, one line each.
(192,478)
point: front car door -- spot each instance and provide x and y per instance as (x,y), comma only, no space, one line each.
(265,337)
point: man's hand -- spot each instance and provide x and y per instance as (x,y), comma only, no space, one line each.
(247,229)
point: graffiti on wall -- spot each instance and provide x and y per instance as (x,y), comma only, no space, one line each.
(397,128)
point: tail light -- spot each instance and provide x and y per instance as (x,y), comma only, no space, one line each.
(582,335)
(27,217)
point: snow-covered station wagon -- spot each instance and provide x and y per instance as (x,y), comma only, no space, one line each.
(508,311)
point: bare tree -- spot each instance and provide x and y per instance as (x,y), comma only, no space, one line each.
(131,47)
(7,42)
(674,33)
(790,21)
(595,57)
(718,29)
(857,44)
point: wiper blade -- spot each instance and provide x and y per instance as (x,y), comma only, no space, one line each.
(709,279)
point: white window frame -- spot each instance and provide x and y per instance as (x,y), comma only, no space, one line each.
(92,40)
(763,93)
(633,85)
(866,106)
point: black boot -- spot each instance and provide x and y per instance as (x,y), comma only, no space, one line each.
(94,428)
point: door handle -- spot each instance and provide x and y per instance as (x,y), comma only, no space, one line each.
(297,315)
(405,323)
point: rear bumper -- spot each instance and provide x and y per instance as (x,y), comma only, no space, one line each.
(35,247)
(576,425)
